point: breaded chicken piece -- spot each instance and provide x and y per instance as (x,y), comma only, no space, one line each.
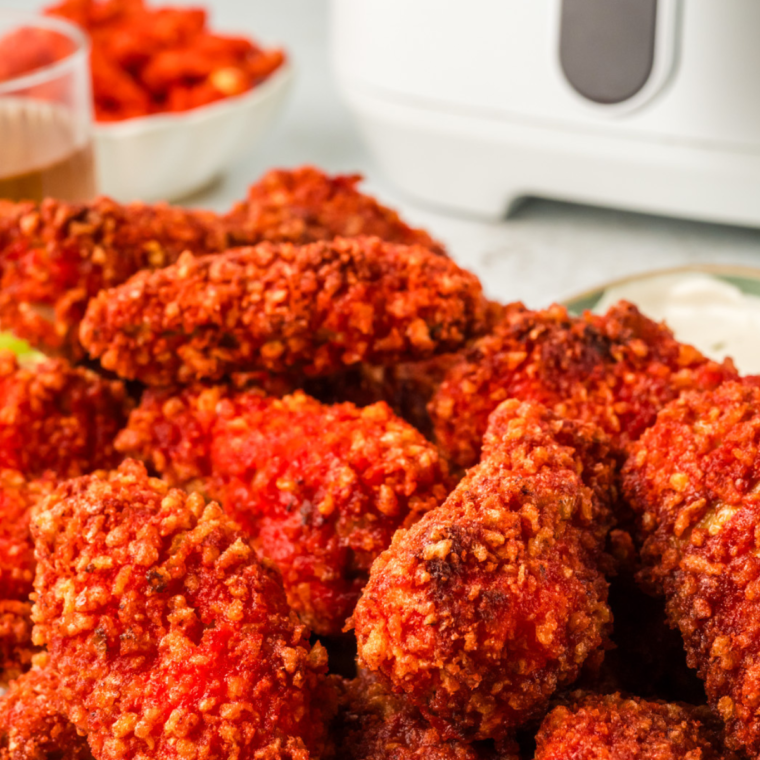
(374,724)
(31,725)
(17,565)
(319,489)
(170,639)
(488,604)
(58,418)
(615,370)
(304,205)
(56,255)
(313,309)
(693,479)
(614,727)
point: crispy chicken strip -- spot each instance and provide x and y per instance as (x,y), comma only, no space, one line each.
(615,370)
(694,481)
(315,309)
(169,637)
(304,205)
(488,604)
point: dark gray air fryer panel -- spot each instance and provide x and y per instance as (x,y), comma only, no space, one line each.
(607,46)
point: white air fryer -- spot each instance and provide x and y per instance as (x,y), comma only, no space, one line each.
(650,105)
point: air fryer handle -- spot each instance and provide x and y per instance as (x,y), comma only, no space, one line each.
(606,47)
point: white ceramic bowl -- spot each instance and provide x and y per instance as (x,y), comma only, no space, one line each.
(167,156)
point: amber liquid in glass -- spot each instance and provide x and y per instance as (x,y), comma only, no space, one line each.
(40,155)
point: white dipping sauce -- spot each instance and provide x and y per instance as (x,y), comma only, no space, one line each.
(702,310)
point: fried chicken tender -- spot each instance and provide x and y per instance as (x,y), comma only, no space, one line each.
(169,637)
(305,205)
(488,604)
(320,489)
(55,256)
(615,370)
(614,727)
(693,479)
(17,564)
(31,724)
(374,724)
(283,308)
(58,418)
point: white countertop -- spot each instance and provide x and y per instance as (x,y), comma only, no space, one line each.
(546,252)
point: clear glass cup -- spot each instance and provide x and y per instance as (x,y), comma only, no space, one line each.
(45,110)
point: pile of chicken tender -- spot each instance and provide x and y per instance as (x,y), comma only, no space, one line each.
(283,484)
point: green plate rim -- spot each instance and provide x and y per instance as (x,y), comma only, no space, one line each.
(746,278)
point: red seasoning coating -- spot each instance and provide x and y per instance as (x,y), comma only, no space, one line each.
(170,639)
(31,726)
(57,418)
(320,489)
(615,370)
(614,727)
(694,480)
(304,205)
(488,604)
(315,309)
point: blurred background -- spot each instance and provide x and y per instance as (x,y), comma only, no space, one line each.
(544,251)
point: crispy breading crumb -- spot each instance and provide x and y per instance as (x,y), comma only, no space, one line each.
(56,255)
